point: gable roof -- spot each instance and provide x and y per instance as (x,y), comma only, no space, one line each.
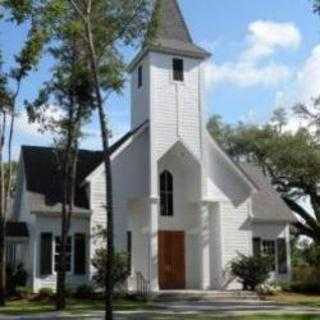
(267,205)
(43,177)
(171,35)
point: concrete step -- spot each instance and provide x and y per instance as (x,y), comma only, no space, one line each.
(194,295)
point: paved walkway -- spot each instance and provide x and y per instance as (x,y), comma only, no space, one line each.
(219,308)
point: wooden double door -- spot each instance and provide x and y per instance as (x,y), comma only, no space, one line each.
(172,266)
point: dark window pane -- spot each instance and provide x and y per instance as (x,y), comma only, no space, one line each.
(268,249)
(46,254)
(178,72)
(140,75)
(166,194)
(80,254)
(170,204)
(282,256)
(58,248)
(256,247)
(169,182)
(129,249)
(163,182)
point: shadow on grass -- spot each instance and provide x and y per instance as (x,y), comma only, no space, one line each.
(74,306)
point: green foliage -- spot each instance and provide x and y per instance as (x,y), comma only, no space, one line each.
(251,271)
(306,254)
(290,159)
(85,291)
(45,293)
(305,279)
(121,269)
(15,277)
(316,6)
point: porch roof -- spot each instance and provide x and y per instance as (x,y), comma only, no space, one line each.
(267,205)
(17,230)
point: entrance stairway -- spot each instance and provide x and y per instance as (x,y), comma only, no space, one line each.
(195,295)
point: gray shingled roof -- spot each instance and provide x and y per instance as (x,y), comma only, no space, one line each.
(172,35)
(267,204)
(43,178)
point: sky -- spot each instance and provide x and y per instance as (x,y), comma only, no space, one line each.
(265,54)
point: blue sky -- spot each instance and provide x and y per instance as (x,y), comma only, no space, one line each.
(265,54)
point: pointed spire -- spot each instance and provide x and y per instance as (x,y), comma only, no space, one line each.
(168,33)
(170,23)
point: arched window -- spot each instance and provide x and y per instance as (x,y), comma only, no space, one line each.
(166,194)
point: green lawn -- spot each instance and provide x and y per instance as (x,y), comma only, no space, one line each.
(74,306)
(25,307)
(297,299)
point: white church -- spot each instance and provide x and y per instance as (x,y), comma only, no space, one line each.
(183,208)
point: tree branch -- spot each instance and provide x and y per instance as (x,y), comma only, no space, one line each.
(310,221)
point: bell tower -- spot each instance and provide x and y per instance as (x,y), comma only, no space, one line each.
(167,82)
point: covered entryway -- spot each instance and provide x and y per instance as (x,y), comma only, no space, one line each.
(172,269)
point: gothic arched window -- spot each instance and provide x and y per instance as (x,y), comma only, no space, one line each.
(166,194)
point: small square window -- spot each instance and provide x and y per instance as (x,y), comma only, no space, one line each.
(178,70)
(140,74)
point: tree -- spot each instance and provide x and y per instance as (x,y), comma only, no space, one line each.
(290,159)
(103,25)
(70,90)
(26,60)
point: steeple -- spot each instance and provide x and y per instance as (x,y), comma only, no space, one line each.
(168,33)
(170,24)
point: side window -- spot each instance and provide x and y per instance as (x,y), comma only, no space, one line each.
(140,76)
(256,247)
(129,250)
(57,253)
(282,256)
(178,70)
(46,254)
(269,250)
(80,256)
(166,194)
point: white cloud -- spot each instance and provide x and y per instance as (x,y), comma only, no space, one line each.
(304,87)
(31,130)
(265,37)
(308,78)
(255,65)
(245,74)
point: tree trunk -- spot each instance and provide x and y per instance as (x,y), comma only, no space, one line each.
(108,177)
(2,263)
(69,173)
(61,277)
(2,218)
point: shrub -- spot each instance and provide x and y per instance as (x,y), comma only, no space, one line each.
(15,277)
(120,270)
(20,276)
(45,293)
(251,271)
(84,292)
(268,289)
(24,292)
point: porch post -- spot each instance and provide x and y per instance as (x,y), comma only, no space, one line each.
(153,244)
(204,242)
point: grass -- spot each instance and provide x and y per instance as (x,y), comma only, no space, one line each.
(74,306)
(77,307)
(253,317)
(297,299)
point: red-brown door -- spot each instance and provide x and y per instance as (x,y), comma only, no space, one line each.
(172,274)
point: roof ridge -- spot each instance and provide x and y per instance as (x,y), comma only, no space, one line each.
(54,148)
